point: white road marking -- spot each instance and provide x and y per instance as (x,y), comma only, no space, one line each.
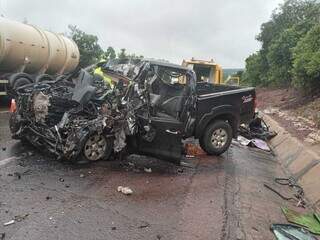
(7,160)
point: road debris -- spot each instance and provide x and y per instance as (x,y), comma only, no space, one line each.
(147,170)
(193,149)
(311,221)
(61,179)
(256,129)
(255,142)
(299,193)
(9,223)
(82,175)
(17,175)
(290,232)
(144,225)
(125,190)
(19,218)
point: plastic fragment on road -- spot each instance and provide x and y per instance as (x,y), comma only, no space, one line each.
(9,223)
(125,190)
(253,142)
(290,232)
(260,144)
(243,141)
(147,170)
(308,220)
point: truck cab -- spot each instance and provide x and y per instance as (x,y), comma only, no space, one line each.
(206,71)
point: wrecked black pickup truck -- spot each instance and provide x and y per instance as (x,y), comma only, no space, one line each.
(79,118)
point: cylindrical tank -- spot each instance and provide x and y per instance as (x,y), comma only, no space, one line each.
(29,49)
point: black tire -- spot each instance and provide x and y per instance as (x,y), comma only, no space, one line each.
(14,123)
(108,149)
(212,141)
(21,82)
(44,77)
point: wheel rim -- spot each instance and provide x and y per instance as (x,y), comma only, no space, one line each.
(95,147)
(219,138)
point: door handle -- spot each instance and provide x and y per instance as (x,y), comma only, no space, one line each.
(172,132)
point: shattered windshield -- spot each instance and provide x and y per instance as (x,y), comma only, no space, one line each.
(171,76)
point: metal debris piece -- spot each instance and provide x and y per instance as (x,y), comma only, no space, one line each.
(119,140)
(41,105)
(291,232)
(61,179)
(125,190)
(82,175)
(257,128)
(9,223)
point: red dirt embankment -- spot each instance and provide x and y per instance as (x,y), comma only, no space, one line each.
(298,114)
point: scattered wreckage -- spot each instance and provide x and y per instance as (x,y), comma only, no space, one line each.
(152,108)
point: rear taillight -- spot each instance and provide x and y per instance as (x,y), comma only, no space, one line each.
(13,106)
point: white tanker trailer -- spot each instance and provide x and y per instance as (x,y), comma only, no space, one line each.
(30,54)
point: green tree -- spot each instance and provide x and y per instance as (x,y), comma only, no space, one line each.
(122,54)
(110,53)
(306,63)
(252,74)
(90,50)
(279,36)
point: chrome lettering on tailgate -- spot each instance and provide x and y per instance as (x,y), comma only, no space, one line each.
(247,99)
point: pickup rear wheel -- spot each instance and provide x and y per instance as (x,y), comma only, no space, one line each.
(217,138)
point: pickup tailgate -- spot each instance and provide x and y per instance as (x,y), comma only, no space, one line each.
(212,96)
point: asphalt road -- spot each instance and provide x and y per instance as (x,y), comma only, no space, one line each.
(207,198)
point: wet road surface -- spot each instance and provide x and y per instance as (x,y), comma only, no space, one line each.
(208,198)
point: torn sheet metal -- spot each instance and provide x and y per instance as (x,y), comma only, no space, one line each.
(291,232)
(40,106)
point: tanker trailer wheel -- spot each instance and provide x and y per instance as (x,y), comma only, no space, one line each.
(44,77)
(217,138)
(96,147)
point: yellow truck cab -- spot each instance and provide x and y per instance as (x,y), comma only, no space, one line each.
(207,71)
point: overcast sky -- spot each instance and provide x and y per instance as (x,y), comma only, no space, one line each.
(170,29)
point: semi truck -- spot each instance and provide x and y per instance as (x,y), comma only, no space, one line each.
(29,54)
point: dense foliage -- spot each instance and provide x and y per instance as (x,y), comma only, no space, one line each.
(90,50)
(289,51)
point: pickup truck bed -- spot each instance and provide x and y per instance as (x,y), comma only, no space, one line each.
(233,103)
